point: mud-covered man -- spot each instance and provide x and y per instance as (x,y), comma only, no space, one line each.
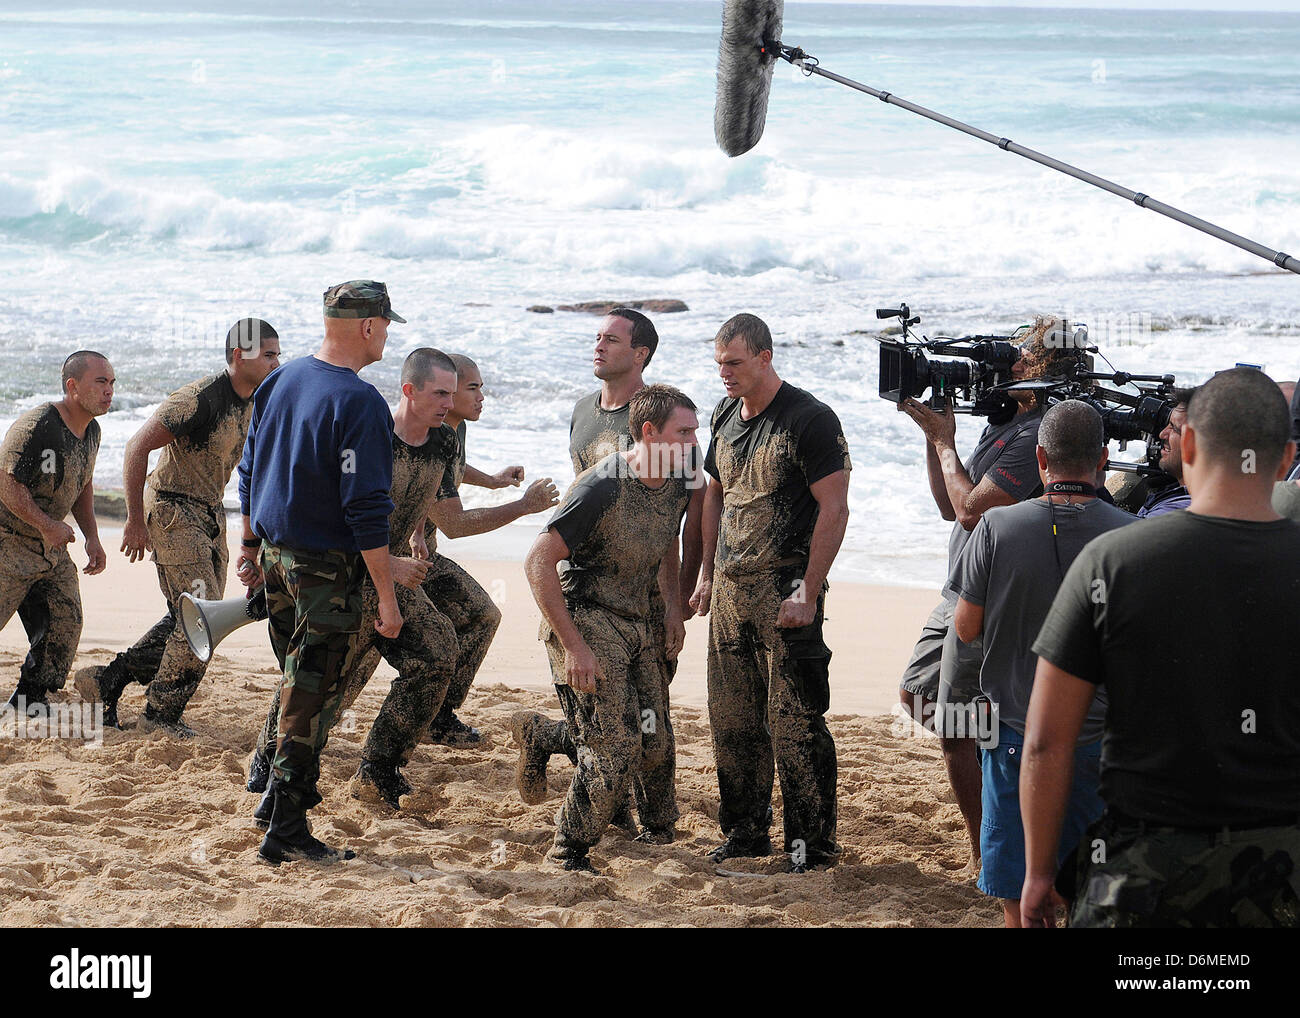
(774,517)
(47,462)
(425,653)
(177,515)
(459,596)
(625,343)
(615,534)
(314,486)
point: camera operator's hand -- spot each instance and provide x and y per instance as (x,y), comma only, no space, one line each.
(940,427)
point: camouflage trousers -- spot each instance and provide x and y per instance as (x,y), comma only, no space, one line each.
(616,740)
(190,554)
(473,613)
(425,655)
(313,599)
(43,588)
(1164,877)
(769,690)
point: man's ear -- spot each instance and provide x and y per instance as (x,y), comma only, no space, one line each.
(1041,454)
(1288,457)
(1105,458)
(1188,445)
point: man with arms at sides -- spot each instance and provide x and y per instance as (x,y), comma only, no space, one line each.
(1007,576)
(178,515)
(774,517)
(615,533)
(625,343)
(313,489)
(47,463)
(455,593)
(1201,743)
(1002,470)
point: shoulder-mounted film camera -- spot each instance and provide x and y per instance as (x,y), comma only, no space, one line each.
(974,373)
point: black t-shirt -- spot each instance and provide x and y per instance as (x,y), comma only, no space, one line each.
(617,530)
(1007,453)
(766,466)
(1190,622)
(455,472)
(595,432)
(418,472)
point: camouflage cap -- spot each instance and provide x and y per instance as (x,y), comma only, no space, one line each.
(359,298)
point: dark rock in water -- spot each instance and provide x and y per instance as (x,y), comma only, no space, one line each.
(604,307)
(542,309)
(110,505)
(476,304)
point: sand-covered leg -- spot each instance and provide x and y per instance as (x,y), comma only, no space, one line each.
(476,618)
(424,655)
(60,593)
(798,698)
(742,740)
(606,734)
(655,781)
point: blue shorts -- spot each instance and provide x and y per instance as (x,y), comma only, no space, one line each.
(1002,833)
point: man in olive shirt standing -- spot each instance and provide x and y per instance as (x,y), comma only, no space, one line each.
(774,517)
(47,462)
(1189,622)
(178,515)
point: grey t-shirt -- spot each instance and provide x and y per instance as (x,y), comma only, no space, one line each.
(1006,453)
(1010,567)
(1286,499)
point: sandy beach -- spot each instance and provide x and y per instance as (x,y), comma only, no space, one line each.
(147,831)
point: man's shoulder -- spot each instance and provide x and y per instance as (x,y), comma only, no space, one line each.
(724,408)
(600,483)
(586,405)
(36,424)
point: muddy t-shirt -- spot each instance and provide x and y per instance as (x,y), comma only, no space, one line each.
(418,472)
(209,421)
(49,461)
(766,466)
(617,530)
(1008,453)
(595,432)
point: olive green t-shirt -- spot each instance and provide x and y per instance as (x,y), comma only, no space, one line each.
(210,422)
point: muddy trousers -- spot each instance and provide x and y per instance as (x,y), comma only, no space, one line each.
(473,614)
(48,601)
(607,727)
(425,655)
(190,554)
(768,692)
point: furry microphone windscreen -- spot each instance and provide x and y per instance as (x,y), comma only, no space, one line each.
(745,72)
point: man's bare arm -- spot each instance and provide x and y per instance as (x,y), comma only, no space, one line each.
(505,478)
(709,523)
(692,550)
(454,520)
(1058,707)
(669,588)
(832,496)
(152,435)
(968,620)
(17,498)
(83,511)
(539,566)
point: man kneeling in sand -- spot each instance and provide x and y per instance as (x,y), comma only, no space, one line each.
(617,529)
(47,461)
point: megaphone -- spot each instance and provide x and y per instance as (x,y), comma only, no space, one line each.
(207,623)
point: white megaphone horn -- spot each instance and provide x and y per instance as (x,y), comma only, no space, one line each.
(207,623)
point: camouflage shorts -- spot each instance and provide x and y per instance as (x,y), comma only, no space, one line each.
(1133,876)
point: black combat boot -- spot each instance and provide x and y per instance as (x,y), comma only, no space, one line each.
(152,721)
(266,808)
(380,779)
(739,847)
(288,837)
(259,772)
(34,699)
(449,730)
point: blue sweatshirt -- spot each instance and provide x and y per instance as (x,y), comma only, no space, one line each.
(318,461)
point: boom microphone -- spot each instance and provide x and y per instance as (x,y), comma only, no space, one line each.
(745,65)
(751,44)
